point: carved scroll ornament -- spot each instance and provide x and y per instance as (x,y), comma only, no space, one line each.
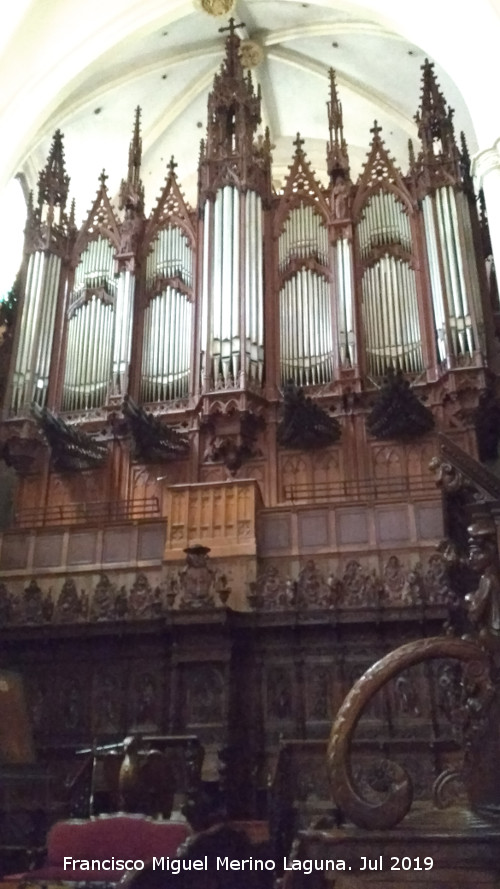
(391,810)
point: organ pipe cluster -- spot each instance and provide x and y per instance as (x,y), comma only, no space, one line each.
(390,305)
(91,329)
(36,331)
(168,318)
(232,334)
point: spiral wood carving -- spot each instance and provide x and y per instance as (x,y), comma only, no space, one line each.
(394,807)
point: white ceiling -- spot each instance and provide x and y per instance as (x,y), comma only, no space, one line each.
(166,65)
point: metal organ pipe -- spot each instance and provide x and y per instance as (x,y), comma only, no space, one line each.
(469,266)
(234,295)
(205,294)
(31,370)
(48,302)
(344,304)
(435,276)
(123,330)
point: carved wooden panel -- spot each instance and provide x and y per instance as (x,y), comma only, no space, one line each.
(107,702)
(220,516)
(294,471)
(146,697)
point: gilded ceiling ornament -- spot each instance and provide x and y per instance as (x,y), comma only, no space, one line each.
(251,54)
(217,7)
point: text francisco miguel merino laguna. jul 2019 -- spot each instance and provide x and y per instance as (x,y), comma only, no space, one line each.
(307,866)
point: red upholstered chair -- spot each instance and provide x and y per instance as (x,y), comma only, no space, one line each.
(129,837)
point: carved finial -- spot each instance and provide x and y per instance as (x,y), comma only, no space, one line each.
(334,106)
(376,130)
(135,150)
(172,166)
(232,60)
(411,154)
(298,145)
(465,148)
(337,155)
(131,188)
(103,177)
(231,28)
(484,228)
(72,212)
(267,141)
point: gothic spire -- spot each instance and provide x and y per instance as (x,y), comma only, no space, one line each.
(232,147)
(132,189)
(336,150)
(53,182)
(439,157)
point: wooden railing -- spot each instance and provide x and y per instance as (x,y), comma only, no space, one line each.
(364,490)
(83,513)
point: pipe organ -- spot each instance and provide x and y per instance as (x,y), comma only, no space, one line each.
(243,398)
(90,329)
(252,289)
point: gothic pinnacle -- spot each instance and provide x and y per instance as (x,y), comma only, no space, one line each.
(337,155)
(53,182)
(440,155)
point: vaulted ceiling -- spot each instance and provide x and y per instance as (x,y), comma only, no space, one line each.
(165,61)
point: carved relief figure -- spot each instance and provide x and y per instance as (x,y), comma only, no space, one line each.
(205,695)
(141,598)
(311,587)
(68,605)
(394,579)
(103,602)
(71,706)
(360,586)
(33,603)
(196,579)
(145,706)
(279,694)
(6,609)
(339,198)
(484,604)
(106,708)
(271,588)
